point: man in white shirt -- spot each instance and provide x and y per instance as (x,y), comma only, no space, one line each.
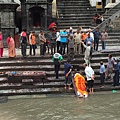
(58,40)
(87,52)
(91,33)
(90,77)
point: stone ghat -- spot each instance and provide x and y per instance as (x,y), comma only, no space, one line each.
(35,75)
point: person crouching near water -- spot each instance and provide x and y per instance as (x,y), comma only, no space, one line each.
(11,46)
(68,74)
(57,58)
(90,77)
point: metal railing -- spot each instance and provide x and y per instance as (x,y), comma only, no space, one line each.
(105,24)
(117,5)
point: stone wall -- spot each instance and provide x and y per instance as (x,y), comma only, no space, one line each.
(7,19)
(7,25)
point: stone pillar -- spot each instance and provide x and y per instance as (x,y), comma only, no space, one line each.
(27,12)
(54,10)
(45,19)
(23,14)
(49,13)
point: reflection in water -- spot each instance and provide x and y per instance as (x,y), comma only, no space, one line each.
(95,107)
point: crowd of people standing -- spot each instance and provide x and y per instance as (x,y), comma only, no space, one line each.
(67,42)
(70,43)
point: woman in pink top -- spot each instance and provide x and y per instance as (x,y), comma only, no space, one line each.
(1,45)
(11,47)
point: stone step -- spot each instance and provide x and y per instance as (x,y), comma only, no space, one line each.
(47,61)
(58,91)
(114,34)
(73,6)
(73,1)
(41,59)
(55,84)
(75,27)
(76,14)
(77,24)
(18,84)
(53,91)
(71,20)
(114,37)
(76,18)
(71,10)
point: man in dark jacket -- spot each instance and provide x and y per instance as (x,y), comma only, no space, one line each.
(97,36)
(116,71)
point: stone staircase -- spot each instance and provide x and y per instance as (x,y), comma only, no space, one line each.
(29,80)
(114,33)
(115,25)
(111,11)
(113,41)
(112,27)
(74,13)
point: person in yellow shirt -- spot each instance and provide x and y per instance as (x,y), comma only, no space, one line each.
(32,42)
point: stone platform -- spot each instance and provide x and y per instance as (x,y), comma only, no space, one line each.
(17,85)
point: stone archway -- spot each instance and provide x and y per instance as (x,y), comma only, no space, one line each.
(36,17)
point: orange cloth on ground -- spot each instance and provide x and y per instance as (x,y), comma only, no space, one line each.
(80,84)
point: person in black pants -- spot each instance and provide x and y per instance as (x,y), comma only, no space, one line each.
(116,75)
(57,58)
(102,74)
(23,39)
(97,36)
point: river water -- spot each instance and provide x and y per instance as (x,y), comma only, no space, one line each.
(100,106)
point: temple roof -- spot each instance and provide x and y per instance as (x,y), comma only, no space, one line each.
(7,1)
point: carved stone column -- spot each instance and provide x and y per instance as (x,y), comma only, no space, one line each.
(27,12)
(23,14)
(45,19)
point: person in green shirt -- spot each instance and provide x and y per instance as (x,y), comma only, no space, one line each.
(57,58)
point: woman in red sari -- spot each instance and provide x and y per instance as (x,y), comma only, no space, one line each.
(1,45)
(11,47)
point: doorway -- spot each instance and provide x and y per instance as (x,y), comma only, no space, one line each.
(36,16)
(104,3)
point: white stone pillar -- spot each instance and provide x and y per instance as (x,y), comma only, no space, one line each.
(93,2)
(54,9)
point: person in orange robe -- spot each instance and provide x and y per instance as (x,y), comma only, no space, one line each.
(11,47)
(80,85)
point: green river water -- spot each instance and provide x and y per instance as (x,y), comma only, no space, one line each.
(100,106)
